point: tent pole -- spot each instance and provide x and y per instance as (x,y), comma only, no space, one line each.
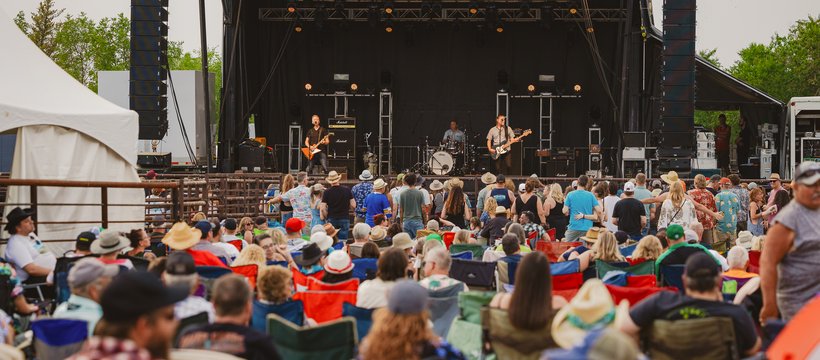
(205,86)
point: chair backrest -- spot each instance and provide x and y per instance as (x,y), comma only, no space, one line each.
(707,338)
(249,271)
(474,273)
(476,249)
(551,233)
(641,281)
(190,323)
(509,342)
(300,280)
(633,294)
(339,245)
(333,340)
(323,302)
(464,255)
(237,244)
(212,272)
(565,267)
(6,288)
(628,250)
(443,306)
(644,268)
(567,281)
(58,338)
(61,268)
(365,268)
(291,310)
(448,238)
(506,269)
(554,249)
(364,318)
(283,264)
(471,302)
(355,250)
(347,285)
(672,275)
(754,261)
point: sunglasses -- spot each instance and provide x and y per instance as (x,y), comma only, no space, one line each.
(808,173)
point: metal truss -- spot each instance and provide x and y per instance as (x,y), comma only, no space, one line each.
(360,13)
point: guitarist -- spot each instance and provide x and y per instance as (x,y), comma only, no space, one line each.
(499,135)
(314,135)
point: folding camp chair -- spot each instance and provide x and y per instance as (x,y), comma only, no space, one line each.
(706,338)
(61,269)
(567,281)
(300,280)
(633,295)
(464,255)
(364,318)
(237,244)
(565,267)
(333,340)
(323,302)
(628,250)
(471,302)
(365,268)
(509,342)
(476,249)
(505,270)
(554,249)
(283,264)
(208,275)
(443,306)
(58,338)
(448,238)
(249,271)
(474,273)
(640,281)
(189,323)
(644,268)
(291,310)
(754,261)
(672,275)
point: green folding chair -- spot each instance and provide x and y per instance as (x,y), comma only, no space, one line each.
(336,339)
(476,249)
(644,268)
(471,302)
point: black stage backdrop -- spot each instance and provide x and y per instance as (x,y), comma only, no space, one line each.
(439,71)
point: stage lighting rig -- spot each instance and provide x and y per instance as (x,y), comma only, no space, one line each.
(473,7)
(499,26)
(339,6)
(298,25)
(308,87)
(576,88)
(388,7)
(530,88)
(291,6)
(388,25)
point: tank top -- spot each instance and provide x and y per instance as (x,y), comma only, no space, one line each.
(557,212)
(502,197)
(531,205)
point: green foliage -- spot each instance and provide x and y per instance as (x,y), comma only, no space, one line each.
(709,120)
(44,26)
(710,56)
(179,60)
(20,21)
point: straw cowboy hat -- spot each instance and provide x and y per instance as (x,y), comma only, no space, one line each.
(500,210)
(366,175)
(181,236)
(592,234)
(488,178)
(456,182)
(110,241)
(436,185)
(591,308)
(330,230)
(333,177)
(379,184)
(670,177)
(377,233)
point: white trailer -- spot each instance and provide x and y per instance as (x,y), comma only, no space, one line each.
(803,122)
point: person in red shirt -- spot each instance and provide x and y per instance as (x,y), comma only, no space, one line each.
(181,237)
(722,134)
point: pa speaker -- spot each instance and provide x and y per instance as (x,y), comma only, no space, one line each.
(678,93)
(679,32)
(671,109)
(679,17)
(148,58)
(147,88)
(679,63)
(679,78)
(148,73)
(679,5)
(149,43)
(148,103)
(149,28)
(678,47)
(153,132)
(148,13)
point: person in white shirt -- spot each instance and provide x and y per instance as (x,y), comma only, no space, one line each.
(609,206)
(392,267)
(180,271)
(223,240)
(24,250)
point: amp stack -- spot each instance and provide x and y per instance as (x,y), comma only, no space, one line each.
(342,148)
(706,157)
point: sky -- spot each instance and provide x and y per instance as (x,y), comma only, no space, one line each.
(727,25)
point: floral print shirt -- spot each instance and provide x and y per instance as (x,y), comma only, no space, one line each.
(360,191)
(299,199)
(743,198)
(727,203)
(705,198)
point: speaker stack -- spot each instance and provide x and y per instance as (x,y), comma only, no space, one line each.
(675,147)
(149,54)
(342,148)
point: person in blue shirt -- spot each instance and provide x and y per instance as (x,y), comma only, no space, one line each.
(376,202)
(727,203)
(582,208)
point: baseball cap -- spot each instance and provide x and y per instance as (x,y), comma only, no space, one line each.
(87,270)
(180,263)
(230,224)
(500,178)
(522,187)
(84,240)
(807,173)
(656,183)
(701,264)
(407,297)
(674,232)
(725,181)
(621,236)
(204,227)
(136,293)
(629,187)
(690,235)
(294,225)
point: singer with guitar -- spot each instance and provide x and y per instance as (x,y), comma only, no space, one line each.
(499,140)
(317,139)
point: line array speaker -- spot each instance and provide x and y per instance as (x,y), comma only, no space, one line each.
(148,73)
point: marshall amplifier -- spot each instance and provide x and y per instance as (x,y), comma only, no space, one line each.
(343,144)
(562,153)
(341,123)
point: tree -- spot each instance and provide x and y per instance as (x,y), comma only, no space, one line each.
(44,26)
(20,21)
(75,49)
(710,56)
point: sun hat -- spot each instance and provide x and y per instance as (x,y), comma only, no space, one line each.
(456,182)
(629,187)
(294,225)
(436,185)
(16,216)
(310,255)
(774,176)
(366,175)
(110,241)
(181,236)
(591,308)
(377,233)
(432,225)
(592,234)
(379,184)
(87,270)
(807,173)
(330,230)
(402,241)
(488,178)
(606,343)
(180,263)
(690,235)
(333,177)
(317,187)
(136,293)
(744,239)
(322,240)
(670,177)
(522,187)
(500,210)
(407,297)
(338,262)
(656,183)
(674,232)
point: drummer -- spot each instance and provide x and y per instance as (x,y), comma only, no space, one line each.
(454,134)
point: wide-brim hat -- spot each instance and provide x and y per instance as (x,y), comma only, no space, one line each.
(402,241)
(322,239)
(310,254)
(317,187)
(456,182)
(339,262)
(592,234)
(379,184)
(436,185)
(774,176)
(377,233)
(744,239)
(500,210)
(488,178)
(365,175)
(16,216)
(330,230)
(670,177)
(592,307)
(181,236)
(333,177)
(110,241)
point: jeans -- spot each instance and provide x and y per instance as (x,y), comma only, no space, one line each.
(573,235)
(319,159)
(411,226)
(343,225)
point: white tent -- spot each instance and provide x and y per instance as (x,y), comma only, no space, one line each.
(64,132)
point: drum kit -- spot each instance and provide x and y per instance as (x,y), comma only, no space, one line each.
(450,157)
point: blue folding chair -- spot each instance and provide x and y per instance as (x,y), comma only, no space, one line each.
(293,311)
(364,266)
(364,318)
(212,272)
(565,267)
(283,264)
(672,275)
(627,251)
(464,255)
(58,338)
(339,245)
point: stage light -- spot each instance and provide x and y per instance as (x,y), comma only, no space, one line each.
(499,27)
(298,26)
(473,7)
(291,6)
(388,7)
(388,26)
(308,87)
(354,87)
(577,88)
(590,29)
(531,88)
(573,11)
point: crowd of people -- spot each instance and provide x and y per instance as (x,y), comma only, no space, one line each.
(746,254)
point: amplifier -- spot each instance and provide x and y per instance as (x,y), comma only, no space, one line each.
(634,153)
(343,167)
(250,158)
(154,160)
(560,168)
(562,153)
(343,144)
(341,123)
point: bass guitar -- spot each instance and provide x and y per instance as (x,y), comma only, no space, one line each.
(309,152)
(504,147)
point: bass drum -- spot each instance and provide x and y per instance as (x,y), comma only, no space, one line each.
(440,163)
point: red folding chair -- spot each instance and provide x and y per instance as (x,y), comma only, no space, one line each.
(324,302)
(448,239)
(567,282)
(249,271)
(554,249)
(634,295)
(641,281)
(237,244)
(551,233)
(754,262)
(300,281)
(566,294)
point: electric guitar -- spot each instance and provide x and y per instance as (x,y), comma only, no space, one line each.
(314,149)
(504,147)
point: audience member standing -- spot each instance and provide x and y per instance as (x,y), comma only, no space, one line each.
(641,192)
(628,213)
(456,210)
(554,207)
(337,203)
(728,204)
(299,198)
(676,209)
(360,192)
(488,179)
(411,204)
(582,209)
(502,195)
(529,201)
(376,203)
(777,186)
(743,200)
(701,195)
(608,204)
